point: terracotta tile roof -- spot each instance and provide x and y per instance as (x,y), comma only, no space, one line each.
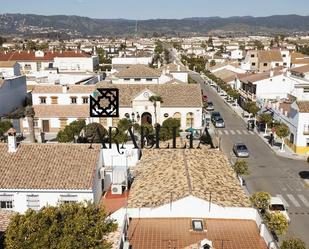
(138,71)
(7,63)
(62,111)
(269,55)
(58,89)
(254,77)
(5,216)
(180,173)
(172,67)
(162,233)
(303,69)
(303,106)
(225,75)
(112,203)
(30,56)
(299,58)
(48,166)
(173,95)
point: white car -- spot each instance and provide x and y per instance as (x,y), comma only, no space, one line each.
(277,205)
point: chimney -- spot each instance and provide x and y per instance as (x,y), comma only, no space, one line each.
(271,73)
(65,88)
(12,142)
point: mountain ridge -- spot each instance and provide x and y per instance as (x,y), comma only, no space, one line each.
(73,25)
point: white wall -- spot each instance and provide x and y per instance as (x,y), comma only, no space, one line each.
(132,60)
(12,94)
(271,88)
(46,197)
(76,64)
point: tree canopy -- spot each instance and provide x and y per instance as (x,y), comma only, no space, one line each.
(70,225)
(241,167)
(4,126)
(293,243)
(260,200)
(73,129)
(277,222)
(282,130)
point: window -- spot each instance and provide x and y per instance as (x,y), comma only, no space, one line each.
(85,100)
(265,64)
(36,123)
(253,63)
(190,119)
(54,100)
(197,225)
(277,64)
(252,56)
(115,122)
(148,79)
(307,144)
(33,202)
(68,198)
(126,79)
(6,201)
(306,90)
(284,55)
(73,100)
(42,100)
(137,79)
(292,138)
(27,66)
(284,64)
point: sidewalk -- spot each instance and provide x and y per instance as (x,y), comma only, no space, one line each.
(286,152)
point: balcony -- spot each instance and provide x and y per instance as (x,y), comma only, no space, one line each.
(247,95)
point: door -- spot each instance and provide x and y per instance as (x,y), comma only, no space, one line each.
(45,125)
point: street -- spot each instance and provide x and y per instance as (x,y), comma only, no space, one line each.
(268,172)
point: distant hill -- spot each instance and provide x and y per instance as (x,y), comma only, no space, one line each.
(28,24)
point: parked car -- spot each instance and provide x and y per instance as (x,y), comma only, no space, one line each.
(277,205)
(210,106)
(240,150)
(219,123)
(214,116)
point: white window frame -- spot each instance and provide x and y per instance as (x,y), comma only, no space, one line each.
(33,202)
(68,198)
(7,198)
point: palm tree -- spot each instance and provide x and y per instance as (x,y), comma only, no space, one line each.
(154,99)
(29,113)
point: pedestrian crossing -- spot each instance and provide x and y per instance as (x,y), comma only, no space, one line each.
(294,200)
(234,132)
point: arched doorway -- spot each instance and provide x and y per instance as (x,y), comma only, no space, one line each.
(146,118)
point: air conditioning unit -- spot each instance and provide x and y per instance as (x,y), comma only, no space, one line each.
(116,189)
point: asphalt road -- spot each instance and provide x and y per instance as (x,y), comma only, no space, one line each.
(268,172)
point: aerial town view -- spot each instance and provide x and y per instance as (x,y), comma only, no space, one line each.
(154,124)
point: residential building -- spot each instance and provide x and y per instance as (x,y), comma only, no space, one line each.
(178,72)
(9,69)
(296,116)
(263,60)
(36,175)
(191,197)
(299,59)
(67,61)
(56,106)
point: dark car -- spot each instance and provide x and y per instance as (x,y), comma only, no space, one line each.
(215,116)
(240,150)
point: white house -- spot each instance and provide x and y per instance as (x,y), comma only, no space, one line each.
(56,106)
(13,92)
(182,192)
(36,175)
(296,116)
(178,72)
(9,69)
(236,54)
(39,60)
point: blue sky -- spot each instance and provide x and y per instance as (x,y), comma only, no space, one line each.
(149,9)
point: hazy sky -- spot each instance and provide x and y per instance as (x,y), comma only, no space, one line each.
(148,9)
